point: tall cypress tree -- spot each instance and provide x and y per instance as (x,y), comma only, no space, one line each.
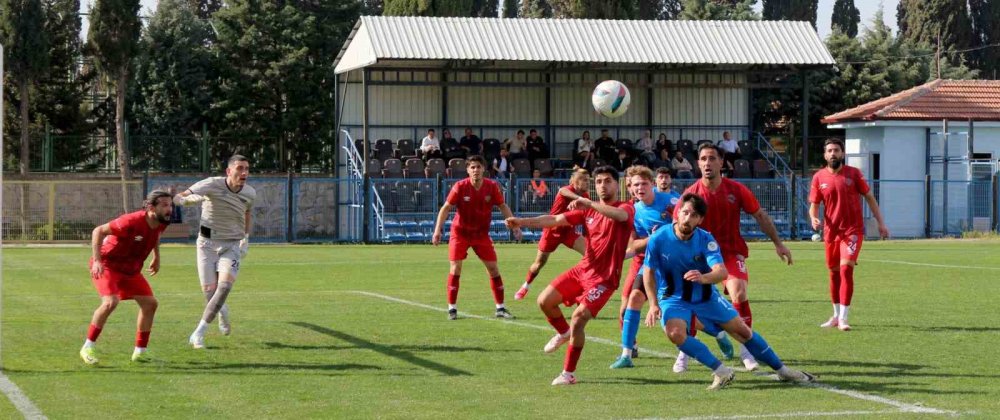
(717,10)
(535,9)
(922,20)
(845,18)
(510,8)
(485,8)
(26,56)
(790,10)
(986,31)
(408,8)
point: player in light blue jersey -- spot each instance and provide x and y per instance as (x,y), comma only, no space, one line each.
(682,266)
(664,181)
(652,210)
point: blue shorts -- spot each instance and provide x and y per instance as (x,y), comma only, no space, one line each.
(716,310)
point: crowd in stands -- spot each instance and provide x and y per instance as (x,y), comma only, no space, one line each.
(527,154)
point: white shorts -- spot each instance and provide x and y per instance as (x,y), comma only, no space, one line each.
(217,256)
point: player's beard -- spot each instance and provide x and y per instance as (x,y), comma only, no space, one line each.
(163,219)
(836,163)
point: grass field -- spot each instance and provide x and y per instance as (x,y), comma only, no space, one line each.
(360,332)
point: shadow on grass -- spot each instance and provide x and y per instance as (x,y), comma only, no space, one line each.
(942,329)
(415,348)
(390,351)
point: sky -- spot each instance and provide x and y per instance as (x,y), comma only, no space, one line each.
(825,9)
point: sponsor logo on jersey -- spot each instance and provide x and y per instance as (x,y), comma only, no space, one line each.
(138,238)
(590,220)
(849,182)
(488,198)
(595,293)
(466,198)
(713,246)
(731,198)
(824,186)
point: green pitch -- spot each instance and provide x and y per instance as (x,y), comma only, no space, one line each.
(361,332)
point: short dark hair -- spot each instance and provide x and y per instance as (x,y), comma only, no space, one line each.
(236,158)
(699,204)
(475,158)
(662,170)
(606,169)
(709,146)
(520,131)
(154,196)
(430,130)
(834,140)
(533,131)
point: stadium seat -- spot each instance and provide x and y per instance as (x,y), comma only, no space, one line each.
(424,196)
(435,167)
(742,169)
(414,168)
(491,150)
(599,163)
(383,150)
(545,167)
(456,168)
(405,149)
(392,168)
(405,197)
(374,168)
(521,167)
(685,146)
(384,191)
(762,169)
(359,145)
(625,144)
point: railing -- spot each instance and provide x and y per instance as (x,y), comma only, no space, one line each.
(357,166)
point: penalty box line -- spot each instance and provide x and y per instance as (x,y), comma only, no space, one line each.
(20,401)
(902,406)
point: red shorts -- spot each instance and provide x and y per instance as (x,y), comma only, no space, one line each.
(125,286)
(458,248)
(552,238)
(630,279)
(584,287)
(736,265)
(842,247)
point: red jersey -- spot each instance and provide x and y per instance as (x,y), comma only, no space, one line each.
(474,207)
(840,194)
(606,240)
(723,216)
(130,242)
(560,204)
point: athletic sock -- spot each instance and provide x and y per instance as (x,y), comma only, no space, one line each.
(93,332)
(141,339)
(846,284)
(202,327)
(496,284)
(572,356)
(452,306)
(843,313)
(762,351)
(694,348)
(530,278)
(743,308)
(630,328)
(560,324)
(835,290)
(453,282)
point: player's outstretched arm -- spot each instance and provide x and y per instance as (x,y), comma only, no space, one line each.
(873,205)
(718,273)
(439,224)
(188,198)
(540,222)
(814,215)
(96,239)
(565,192)
(611,212)
(767,226)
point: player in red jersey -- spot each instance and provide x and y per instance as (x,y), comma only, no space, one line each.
(564,235)
(837,187)
(119,249)
(474,199)
(726,199)
(595,278)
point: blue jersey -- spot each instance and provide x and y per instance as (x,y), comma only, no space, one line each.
(669,258)
(647,218)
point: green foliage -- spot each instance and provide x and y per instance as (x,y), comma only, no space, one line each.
(543,9)
(26,58)
(985,16)
(113,37)
(510,8)
(408,8)
(718,10)
(923,20)
(790,10)
(845,17)
(590,9)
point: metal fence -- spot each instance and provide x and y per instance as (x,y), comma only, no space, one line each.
(61,210)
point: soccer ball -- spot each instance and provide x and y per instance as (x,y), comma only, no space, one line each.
(611,98)
(817,237)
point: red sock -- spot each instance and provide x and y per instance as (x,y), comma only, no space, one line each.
(141,339)
(846,284)
(835,286)
(559,324)
(530,277)
(743,308)
(692,329)
(496,283)
(93,332)
(453,288)
(572,356)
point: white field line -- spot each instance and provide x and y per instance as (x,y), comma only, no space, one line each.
(798,414)
(902,406)
(966,267)
(20,401)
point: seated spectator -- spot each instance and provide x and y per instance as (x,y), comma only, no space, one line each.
(583,156)
(605,146)
(536,146)
(622,161)
(518,146)
(430,146)
(730,151)
(682,166)
(471,143)
(662,144)
(449,146)
(501,165)
(646,148)
(538,190)
(662,160)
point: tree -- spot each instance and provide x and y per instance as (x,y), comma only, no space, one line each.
(26,50)
(985,18)
(408,8)
(717,10)
(790,10)
(460,8)
(205,8)
(923,20)
(510,8)
(538,9)
(485,8)
(845,18)
(113,43)
(594,9)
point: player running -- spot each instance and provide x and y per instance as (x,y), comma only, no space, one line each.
(837,187)
(579,182)
(726,198)
(223,241)
(474,199)
(595,278)
(119,249)
(683,263)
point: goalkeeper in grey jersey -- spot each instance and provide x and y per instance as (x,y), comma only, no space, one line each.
(223,238)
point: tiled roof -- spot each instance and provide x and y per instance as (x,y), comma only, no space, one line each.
(978,100)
